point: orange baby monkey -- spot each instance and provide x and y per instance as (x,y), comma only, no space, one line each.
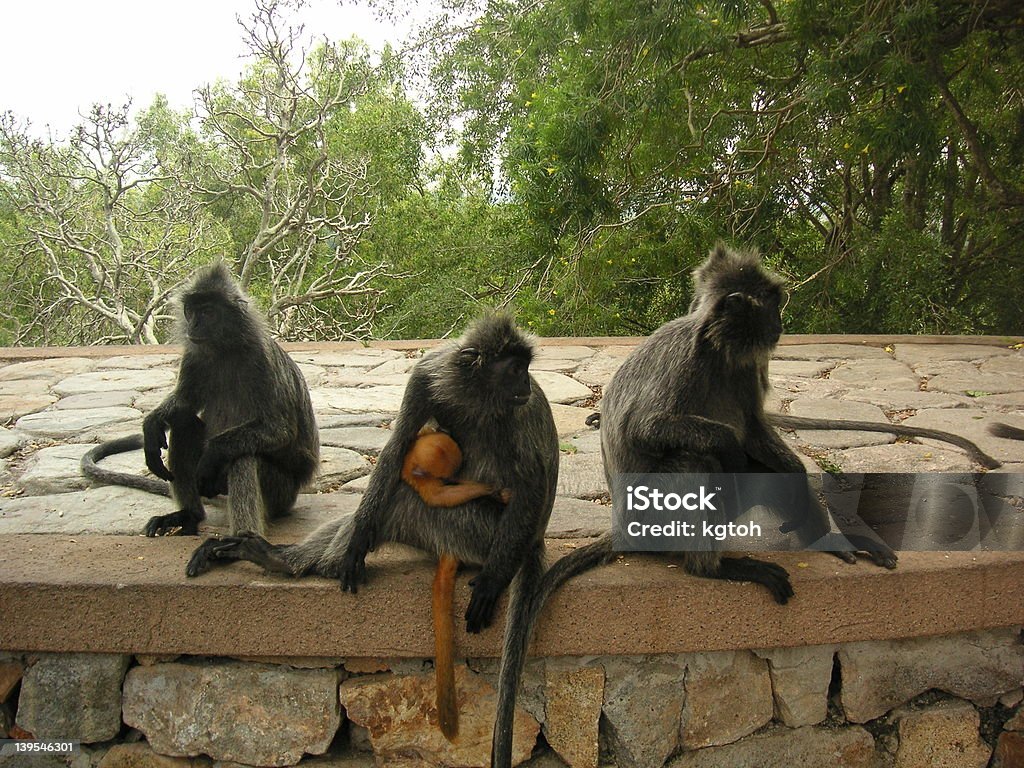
(430,468)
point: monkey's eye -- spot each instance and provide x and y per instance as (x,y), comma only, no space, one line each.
(735,299)
(469,355)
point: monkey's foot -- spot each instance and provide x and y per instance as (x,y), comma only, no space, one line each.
(878,551)
(774,577)
(352,571)
(247,546)
(352,568)
(875,548)
(482,603)
(184,522)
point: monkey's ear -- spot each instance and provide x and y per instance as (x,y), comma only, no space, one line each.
(720,252)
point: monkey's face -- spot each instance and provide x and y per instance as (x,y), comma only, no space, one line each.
(511,377)
(502,380)
(209,319)
(747,316)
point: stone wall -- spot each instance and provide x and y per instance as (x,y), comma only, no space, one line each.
(941,701)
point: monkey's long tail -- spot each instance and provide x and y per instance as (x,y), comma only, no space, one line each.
(121,445)
(444,646)
(522,617)
(972,450)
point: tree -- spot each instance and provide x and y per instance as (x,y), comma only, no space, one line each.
(871,149)
(295,195)
(101,234)
(280,173)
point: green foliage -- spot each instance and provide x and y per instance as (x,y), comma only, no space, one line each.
(873,151)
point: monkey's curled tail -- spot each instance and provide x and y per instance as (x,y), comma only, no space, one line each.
(93,471)
(517,637)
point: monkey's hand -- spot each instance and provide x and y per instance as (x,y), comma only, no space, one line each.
(210,473)
(480,612)
(154,439)
(504,495)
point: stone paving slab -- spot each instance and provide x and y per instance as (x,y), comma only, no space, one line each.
(56,469)
(901,458)
(365,440)
(74,400)
(830,352)
(15,406)
(848,410)
(67,424)
(108,510)
(109,380)
(972,424)
(46,368)
(1011,364)
(988,383)
(875,374)
(917,353)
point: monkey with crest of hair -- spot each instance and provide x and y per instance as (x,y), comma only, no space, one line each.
(691,399)
(240,417)
(479,391)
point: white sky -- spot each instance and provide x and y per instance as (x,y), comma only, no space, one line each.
(60,56)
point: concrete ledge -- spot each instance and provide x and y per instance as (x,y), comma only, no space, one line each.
(128,594)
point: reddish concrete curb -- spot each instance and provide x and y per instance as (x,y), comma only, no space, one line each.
(129,594)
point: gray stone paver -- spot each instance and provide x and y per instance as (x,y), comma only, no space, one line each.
(909,399)
(73,400)
(314,375)
(365,440)
(570,419)
(830,352)
(972,424)
(1011,364)
(88,400)
(899,457)
(26,387)
(51,368)
(559,388)
(790,389)
(991,383)
(915,353)
(15,406)
(804,369)
(847,410)
(340,465)
(122,511)
(9,442)
(109,380)
(386,398)
(875,374)
(147,362)
(66,424)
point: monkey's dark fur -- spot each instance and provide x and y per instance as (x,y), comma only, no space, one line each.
(691,399)
(240,418)
(1006,432)
(479,391)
